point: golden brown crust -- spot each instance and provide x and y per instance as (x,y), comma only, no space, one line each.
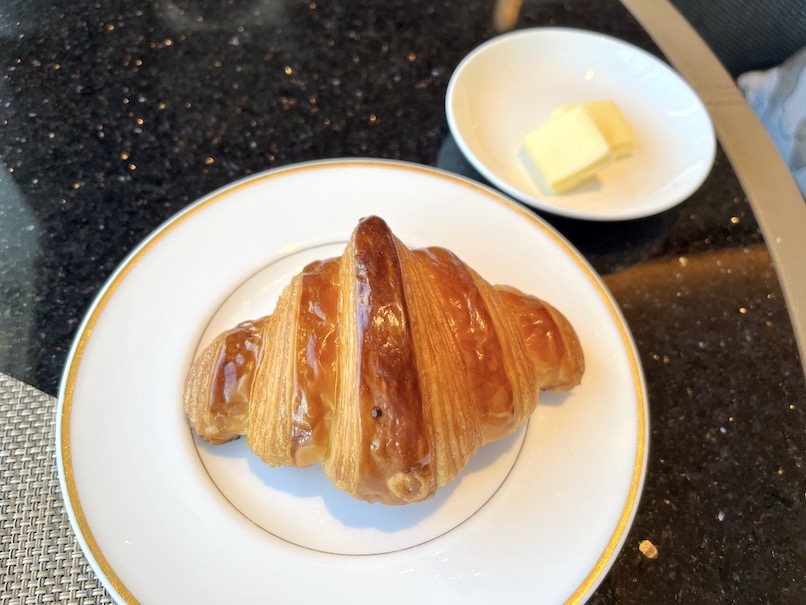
(269,431)
(391,405)
(219,386)
(471,330)
(314,355)
(551,342)
(389,366)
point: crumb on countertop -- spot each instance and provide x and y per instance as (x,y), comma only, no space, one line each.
(648,549)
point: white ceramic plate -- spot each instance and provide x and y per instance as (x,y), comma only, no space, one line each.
(509,86)
(538,517)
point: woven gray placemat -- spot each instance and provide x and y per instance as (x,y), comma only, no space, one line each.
(40,558)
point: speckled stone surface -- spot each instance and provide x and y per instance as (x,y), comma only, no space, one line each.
(116,115)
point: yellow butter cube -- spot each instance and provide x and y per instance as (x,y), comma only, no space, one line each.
(568,149)
(610,122)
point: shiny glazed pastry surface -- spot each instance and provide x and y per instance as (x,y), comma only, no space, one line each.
(389,366)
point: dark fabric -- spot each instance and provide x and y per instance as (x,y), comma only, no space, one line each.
(748,35)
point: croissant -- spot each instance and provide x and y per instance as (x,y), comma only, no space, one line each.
(389,366)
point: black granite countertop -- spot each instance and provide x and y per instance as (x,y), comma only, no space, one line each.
(116,115)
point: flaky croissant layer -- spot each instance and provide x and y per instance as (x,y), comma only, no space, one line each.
(388,366)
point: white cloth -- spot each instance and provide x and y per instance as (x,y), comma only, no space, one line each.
(778,97)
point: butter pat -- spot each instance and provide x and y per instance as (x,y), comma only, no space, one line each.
(610,122)
(568,149)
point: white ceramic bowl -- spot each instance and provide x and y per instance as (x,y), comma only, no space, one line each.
(509,85)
